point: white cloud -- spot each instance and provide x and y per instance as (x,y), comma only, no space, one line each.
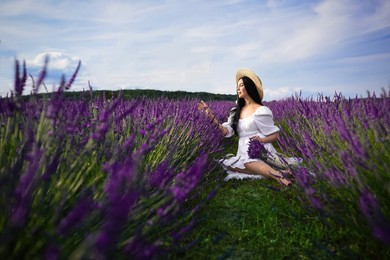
(57,61)
(279,93)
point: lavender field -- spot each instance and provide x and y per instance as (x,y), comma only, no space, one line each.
(111,178)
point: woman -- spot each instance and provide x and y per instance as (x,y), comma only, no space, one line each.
(250,119)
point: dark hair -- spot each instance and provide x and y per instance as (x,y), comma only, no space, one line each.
(250,87)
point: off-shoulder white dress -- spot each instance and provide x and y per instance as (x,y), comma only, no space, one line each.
(261,124)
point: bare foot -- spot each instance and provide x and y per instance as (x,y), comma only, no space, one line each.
(282,180)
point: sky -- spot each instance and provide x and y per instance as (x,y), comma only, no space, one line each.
(294,46)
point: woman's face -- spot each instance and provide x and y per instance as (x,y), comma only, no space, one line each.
(241,91)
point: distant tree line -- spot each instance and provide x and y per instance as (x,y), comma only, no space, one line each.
(136,93)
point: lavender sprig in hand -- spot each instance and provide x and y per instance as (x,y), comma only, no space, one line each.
(256,150)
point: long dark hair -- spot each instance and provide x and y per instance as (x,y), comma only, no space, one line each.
(253,93)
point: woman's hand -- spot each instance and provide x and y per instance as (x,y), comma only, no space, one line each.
(257,138)
(203,107)
(268,139)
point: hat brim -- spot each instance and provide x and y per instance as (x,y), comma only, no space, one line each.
(250,74)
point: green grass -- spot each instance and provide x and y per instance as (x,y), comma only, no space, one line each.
(249,220)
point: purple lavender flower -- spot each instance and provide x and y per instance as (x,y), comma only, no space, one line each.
(343,130)
(71,80)
(103,125)
(358,149)
(303,177)
(336,177)
(20,82)
(308,141)
(382,232)
(52,166)
(54,107)
(120,176)
(129,142)
(184,230)
(52,253)
(368,204)
(121,196)
(102,129)
(186,181)
(256,150)
(42,75)
(349,164)
(24,189)
(371,210)
(74,217)
(18,92)
(316,202)
(161,176)
(115,218)
(139,248)
(167,210)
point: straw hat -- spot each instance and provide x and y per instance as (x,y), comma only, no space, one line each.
(250,74)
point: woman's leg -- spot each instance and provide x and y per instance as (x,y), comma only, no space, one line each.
(265,170)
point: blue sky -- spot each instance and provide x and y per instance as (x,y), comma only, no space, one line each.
(323,46)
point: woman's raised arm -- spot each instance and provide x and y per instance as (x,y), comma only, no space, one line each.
(203,107)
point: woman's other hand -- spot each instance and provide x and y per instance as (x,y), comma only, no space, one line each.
(268,139)
(257,138)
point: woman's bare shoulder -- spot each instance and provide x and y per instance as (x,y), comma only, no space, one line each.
(261,110)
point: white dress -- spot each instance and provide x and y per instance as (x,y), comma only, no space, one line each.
(261,124)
